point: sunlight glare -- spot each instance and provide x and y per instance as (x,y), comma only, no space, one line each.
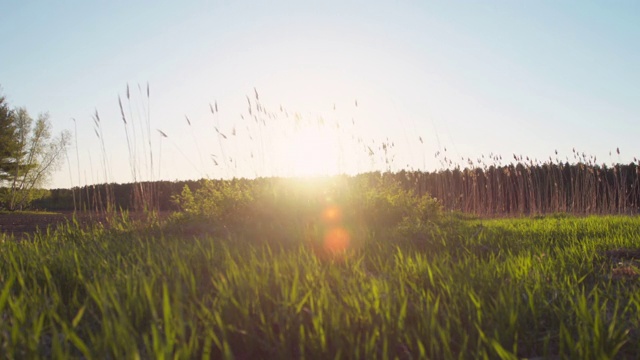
(332,215)
(336,241)
(311,151)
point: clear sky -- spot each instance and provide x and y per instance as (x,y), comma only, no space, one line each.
(501,77)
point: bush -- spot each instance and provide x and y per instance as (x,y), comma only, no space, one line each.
(30,196)
(276,209)
(222,202)
(383,203)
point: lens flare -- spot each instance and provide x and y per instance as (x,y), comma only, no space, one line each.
(336,241)
(332,215)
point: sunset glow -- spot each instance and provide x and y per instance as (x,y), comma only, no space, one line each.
(311,151)
(336,241)
(429,77)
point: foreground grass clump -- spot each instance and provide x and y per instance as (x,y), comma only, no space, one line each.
(463,288)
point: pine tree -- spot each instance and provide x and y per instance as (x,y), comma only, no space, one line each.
(9,145)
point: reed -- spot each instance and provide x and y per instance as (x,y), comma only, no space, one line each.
(484,185)
(532,187)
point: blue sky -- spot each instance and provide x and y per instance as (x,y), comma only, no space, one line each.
(472,77)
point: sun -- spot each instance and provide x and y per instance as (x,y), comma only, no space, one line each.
(311,151)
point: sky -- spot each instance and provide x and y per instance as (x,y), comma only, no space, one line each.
(330,84)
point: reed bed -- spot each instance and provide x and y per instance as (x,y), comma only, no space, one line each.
(533,189)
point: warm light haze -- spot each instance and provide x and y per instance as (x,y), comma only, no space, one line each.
(315,88)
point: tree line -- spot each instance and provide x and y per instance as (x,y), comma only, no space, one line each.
(510,190)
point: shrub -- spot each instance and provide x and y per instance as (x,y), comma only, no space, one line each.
(223,202)
(280,209)
(383,203)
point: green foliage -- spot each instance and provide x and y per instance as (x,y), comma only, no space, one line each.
(521,288)
(383,203)
(366,201)
(28,155)
(222,202)
(186,201)
(6,194)
(8,140)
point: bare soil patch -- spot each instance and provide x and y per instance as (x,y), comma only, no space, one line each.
(625,263)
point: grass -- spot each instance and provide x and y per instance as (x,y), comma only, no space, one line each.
(509,288)
(28,212)
(364,270)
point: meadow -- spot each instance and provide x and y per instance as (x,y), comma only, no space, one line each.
(350,268)
(494,260)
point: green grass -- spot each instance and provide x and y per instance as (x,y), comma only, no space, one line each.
(469,289)
(28,212)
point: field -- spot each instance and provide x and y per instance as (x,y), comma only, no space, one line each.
(375,272)
(22,224)
(320,180)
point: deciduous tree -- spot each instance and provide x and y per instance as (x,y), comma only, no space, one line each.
(29,154)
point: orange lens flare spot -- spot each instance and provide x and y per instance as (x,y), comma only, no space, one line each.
(332,215)
(336,240)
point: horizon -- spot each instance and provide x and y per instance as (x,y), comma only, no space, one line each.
(463,80)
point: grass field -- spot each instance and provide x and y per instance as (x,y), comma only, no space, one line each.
(455,287)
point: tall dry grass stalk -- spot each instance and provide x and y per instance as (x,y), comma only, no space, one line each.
(101,199)
(485,186)
(144,196)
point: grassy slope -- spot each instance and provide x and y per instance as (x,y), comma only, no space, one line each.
(500,288)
